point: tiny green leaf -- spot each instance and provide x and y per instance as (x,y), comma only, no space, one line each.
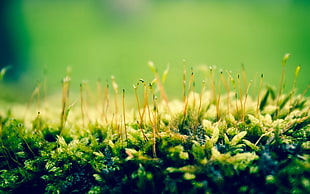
(189,176)
(238,137)
(215,135)
(251,145)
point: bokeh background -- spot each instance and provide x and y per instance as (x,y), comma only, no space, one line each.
(100,38)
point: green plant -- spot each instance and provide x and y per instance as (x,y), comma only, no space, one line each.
(220,140)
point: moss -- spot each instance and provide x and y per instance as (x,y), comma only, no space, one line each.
(241,145)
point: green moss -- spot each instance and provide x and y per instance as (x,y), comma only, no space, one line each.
(240,145)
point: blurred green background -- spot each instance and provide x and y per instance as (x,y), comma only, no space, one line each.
(100,38)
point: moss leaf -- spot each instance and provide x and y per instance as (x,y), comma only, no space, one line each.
(238,137)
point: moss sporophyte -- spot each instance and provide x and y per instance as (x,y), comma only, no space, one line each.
(218,140)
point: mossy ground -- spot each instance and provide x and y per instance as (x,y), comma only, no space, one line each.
(209,142)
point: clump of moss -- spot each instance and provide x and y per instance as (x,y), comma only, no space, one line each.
(209,142)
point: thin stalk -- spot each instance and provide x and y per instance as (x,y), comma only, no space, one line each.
(245,99)
(159,84)
(124,114)
(145,106)
(243,75)
(192,87)
(35,92)
(184,85)
(294,84)
(99,96)
(226,85)
(45,85)
(216,99)
(258,94)
(115,87)
(155,125)
(23,138)
(82,104)
(217,105)
(191,80)
(138,103)
(284,60)
(65,100)
(139,112)
(105,103)
(148,106)
(1,127)
(203,85)
(145,97)
(165,74)
(240,95)
(6,154)
(39,96)
(27,145)
(88,99)
(212,84)
(235,89)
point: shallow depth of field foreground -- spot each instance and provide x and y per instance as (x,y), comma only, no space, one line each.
(228,134)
